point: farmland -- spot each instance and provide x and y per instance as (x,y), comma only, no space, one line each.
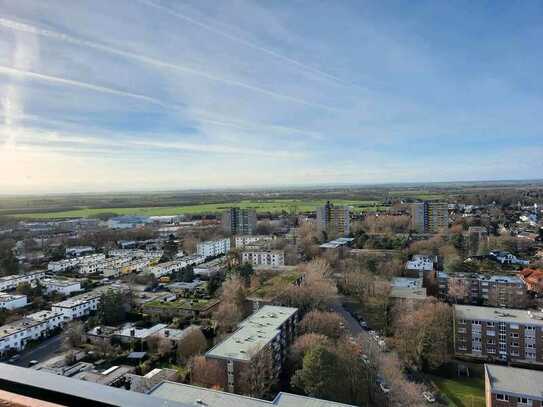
(273,206)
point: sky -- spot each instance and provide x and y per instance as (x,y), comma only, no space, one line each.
(171,94)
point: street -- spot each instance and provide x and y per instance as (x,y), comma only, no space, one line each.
(43,351)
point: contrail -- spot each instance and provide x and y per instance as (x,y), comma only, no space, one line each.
(55,79)
(275,54)
(155,62)
(201,115)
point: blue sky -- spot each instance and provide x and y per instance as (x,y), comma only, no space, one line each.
(156,94)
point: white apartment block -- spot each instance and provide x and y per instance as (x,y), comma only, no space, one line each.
(64,287)
(245,240)
(78,306)
(212,248)
(85,264)
(79,251)
(17,334)
(273,258)
(9,301)
(62,265)
(421,263)
(11,282)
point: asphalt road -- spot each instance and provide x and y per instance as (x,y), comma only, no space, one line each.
(43,351)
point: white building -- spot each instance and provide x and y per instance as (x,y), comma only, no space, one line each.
(62,265)
(78,306)
(92,264)
(12,301)
(507,258)
(273,258)
(212,248)
(17,334)
(421,262)
(245,240)
(11,282)
(64,287)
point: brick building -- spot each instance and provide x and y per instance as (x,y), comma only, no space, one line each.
(512,387)
(497,334)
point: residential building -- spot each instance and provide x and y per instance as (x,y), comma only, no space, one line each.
(211,267)
(334,220)
(212,248)
(238,221)
(90,264)
(273,258)
(497,334)
(429,217)
(16,335)
(164,269)
(245,240)
(8,283)
(421,263)
(61,286)
(270,329)
(533,278)
(78,306)
(506,258)
(513,387)
(12,301)
(483,289)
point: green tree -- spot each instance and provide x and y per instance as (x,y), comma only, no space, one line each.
(111,309)
(319,374)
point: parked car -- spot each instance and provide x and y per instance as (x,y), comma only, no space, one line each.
(429,397)
(364,325)
(33,363)
(14,358)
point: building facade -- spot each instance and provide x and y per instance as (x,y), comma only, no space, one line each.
(245,240)
(497,334)
(12,301)
(8,283)
(482,289)
(212,248)
(334,220)
(238,221)
(429,217)
(272,258)
(77,307)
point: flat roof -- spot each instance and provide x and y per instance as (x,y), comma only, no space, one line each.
(482,277)
(253,334)
(139,333)
(409,293)
(516,381)
(406,282)
(77,300)
(188,394)
(68,391)
(473,312)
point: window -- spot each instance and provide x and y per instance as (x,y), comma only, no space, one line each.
(490,324)
(514,335)
(503,397)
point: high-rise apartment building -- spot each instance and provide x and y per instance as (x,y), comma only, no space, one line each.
(237,221)
(429,217)
(334,220)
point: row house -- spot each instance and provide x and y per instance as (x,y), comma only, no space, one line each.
(12,301)
(273,258)
(483,289)
(164,269)
(78,306)
(270,329)
(496,334)
(16,335)
(85,265)
(8,283)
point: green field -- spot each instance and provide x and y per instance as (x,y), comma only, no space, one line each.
(273,206)
(462,392)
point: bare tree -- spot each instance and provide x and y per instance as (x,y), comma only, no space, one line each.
(206,372)
(259,377)
(231,309)
(72,335)
(320,322)
(192,344)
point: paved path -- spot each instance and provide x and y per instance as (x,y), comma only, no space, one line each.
(43,351)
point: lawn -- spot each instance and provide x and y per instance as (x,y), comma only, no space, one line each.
(274,206)
(462,391)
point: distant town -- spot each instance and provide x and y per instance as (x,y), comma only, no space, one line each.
(412,301)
